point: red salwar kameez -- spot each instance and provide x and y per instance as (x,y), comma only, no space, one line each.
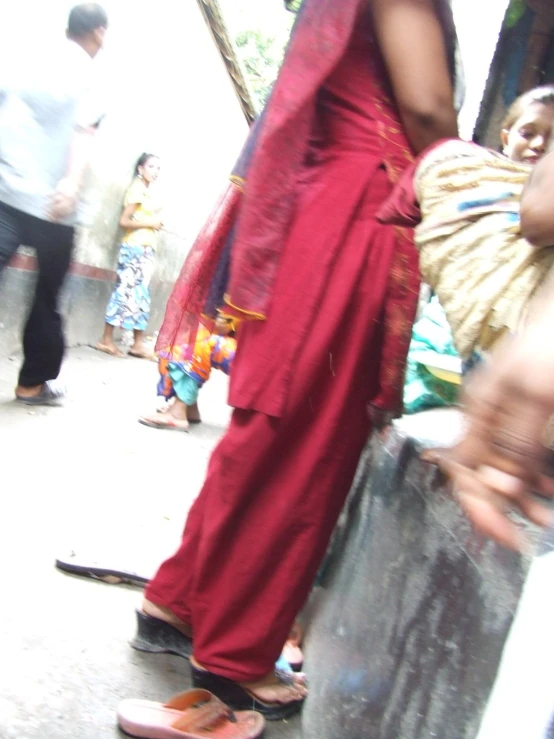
(334,342)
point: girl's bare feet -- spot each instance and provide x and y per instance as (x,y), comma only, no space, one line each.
(109,348)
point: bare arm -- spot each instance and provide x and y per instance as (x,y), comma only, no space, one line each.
(537,204)
(126,221)
(412,43)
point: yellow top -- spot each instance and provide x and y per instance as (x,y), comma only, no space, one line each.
(139,194)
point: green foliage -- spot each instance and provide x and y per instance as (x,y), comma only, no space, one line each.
(515,11)
(261,56)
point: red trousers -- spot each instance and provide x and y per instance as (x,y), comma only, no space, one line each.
(257,533)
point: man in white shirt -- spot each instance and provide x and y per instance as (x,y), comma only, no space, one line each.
(48,116)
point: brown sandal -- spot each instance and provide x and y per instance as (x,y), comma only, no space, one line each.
(143,355)
(195,714)
(115,352)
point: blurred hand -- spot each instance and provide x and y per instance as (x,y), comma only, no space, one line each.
(501,460)
(64,200)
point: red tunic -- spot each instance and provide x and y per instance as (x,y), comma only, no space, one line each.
(334,341)
(358,132)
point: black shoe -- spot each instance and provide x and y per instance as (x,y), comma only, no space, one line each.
(239,699)
(155,635)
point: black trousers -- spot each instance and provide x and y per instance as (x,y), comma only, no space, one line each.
(43,341)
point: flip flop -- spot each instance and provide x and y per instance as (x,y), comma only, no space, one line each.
(239,698)
(164,424)
(115,352)
(50,394)
(88,567)
(196,714)
(139,355)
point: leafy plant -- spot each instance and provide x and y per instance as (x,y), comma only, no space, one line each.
(261,56)
(515,12)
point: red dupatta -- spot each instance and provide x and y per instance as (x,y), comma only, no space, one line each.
(236,255)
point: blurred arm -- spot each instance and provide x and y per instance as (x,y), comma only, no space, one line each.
(537,204)
(412,43)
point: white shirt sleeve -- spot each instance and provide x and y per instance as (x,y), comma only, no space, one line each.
(90,109)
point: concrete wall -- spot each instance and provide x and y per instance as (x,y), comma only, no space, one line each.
(167,92)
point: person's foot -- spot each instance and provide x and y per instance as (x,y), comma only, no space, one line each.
(163,405)
(109,347)
(141,352)
(28,392)
(164,614)
(165,420)
(271,689)
(193,414)
(49,393)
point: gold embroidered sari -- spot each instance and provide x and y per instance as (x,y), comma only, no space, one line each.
(471,249)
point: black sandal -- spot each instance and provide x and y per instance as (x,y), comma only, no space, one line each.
(239,699)
(90,567)
(157,636)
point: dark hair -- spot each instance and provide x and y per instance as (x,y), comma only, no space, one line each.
(143,158)
(86,18)
(544,95)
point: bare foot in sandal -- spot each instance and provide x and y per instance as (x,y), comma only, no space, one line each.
(271,689)
(174,418)
(142,354)
(165,420)
(109,349)
(193,414)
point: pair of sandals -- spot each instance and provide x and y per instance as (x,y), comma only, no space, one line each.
(115,352)
(195,714)
(157,636)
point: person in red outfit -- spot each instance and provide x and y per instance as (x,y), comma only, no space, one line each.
(295,246)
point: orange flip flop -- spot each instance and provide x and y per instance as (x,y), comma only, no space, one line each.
(195,714)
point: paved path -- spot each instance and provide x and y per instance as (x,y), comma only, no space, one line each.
(88,478)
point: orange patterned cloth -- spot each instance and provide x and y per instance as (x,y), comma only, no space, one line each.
(211,351)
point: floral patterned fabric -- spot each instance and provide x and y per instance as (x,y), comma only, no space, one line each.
(129,305)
